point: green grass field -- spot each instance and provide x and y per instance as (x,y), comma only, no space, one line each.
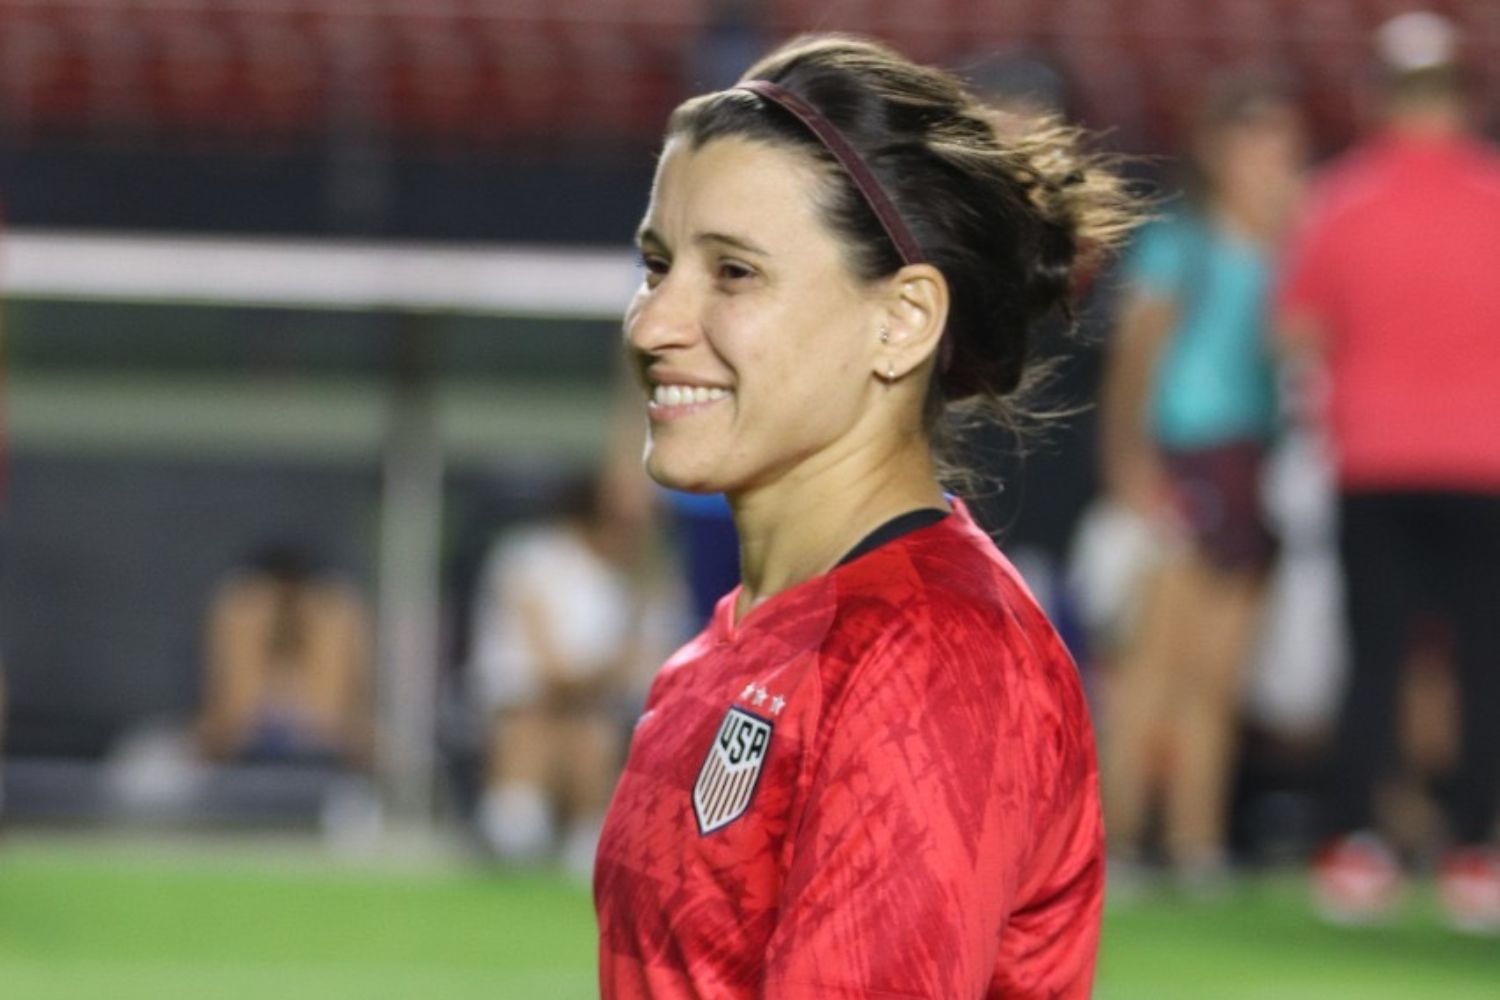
(87,919)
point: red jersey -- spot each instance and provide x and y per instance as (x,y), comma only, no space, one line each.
(1397,263)
(880,783)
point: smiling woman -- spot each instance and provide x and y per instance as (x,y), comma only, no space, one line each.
(873,773)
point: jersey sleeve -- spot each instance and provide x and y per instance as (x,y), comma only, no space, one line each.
(907,860)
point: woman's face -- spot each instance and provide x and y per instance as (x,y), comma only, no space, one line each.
(756,344)
(1257,154)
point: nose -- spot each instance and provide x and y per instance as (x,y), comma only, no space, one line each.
(661,318)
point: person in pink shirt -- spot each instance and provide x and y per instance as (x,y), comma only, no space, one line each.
(1392,283)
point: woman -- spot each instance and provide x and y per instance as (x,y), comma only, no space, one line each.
(873,772)
(1189,409)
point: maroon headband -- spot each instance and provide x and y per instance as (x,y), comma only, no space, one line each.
(854,165)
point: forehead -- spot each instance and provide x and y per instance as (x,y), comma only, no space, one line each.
(734,185)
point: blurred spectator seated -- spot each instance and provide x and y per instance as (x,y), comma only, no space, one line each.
(288,667)
(2,741)
(566,631)
(283,734)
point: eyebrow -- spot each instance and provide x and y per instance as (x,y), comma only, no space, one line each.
(738,242)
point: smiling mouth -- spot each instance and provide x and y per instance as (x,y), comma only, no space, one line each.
(686,395)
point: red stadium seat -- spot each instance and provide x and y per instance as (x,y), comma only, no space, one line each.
(547,70)
(286,71)
(115,53)
(433,78)
(192,71)
(43,71)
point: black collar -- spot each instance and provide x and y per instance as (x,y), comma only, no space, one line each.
(897,526)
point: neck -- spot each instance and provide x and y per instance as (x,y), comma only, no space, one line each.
(1255,207)
(802,524)
(1257,219)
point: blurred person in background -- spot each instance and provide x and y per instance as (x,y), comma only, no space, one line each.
(1189,411)
(289,666)
(873,772)
(1392,284)
(733,35)
(566,624)
(4,370)
(2,739)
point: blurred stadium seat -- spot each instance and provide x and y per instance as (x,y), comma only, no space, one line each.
(501,71)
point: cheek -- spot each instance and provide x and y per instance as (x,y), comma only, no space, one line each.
(785,361)
(806,392)
(799,371)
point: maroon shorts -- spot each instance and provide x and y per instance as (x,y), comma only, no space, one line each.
(1218,493)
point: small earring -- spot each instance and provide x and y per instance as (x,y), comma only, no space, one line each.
(885,335)
(890,371)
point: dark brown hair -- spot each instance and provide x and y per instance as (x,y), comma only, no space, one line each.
(1005,221)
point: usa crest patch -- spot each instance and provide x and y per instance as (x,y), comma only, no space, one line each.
(726,781)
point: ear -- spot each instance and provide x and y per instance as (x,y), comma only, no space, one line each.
(915,314)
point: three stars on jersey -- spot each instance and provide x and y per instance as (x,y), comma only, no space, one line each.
(757,696)
(731,770)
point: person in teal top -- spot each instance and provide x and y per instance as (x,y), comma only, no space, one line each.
(1189,408)
(1215,381)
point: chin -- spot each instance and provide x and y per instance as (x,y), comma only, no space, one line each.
(678,475)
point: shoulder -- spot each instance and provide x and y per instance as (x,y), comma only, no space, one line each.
(1166,234)
(244,589)
(937,643)
(943,603)
(1352,181)
(1160,255)
(1178,223)
(1483,163)
(337,594)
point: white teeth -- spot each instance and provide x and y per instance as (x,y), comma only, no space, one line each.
(682,395)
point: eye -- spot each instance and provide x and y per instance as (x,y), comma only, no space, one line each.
(655,266)
(734,271)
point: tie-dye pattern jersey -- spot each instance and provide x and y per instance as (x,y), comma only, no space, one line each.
(881,783)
